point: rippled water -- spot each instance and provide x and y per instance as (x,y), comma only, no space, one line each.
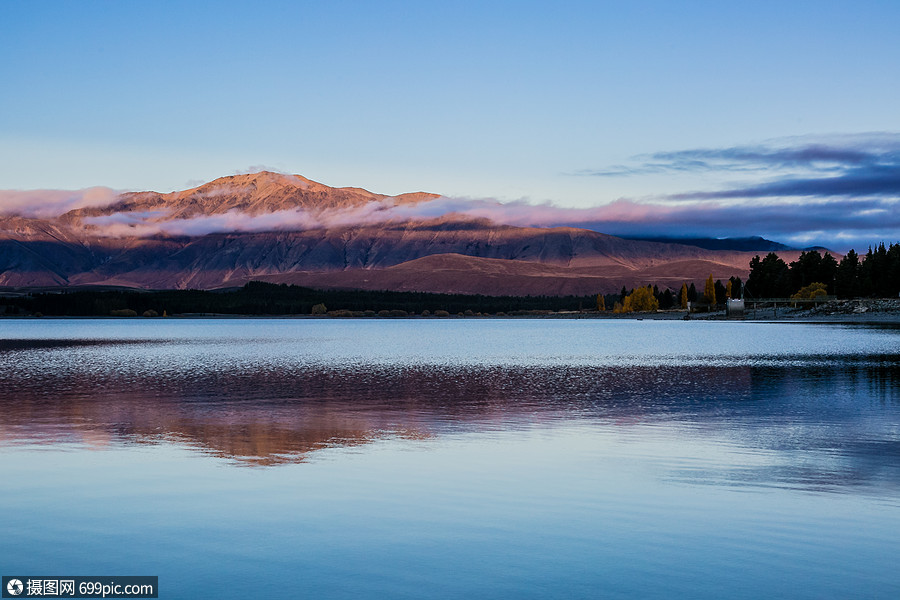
(459,458)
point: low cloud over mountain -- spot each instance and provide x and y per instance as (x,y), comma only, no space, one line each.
(288,228)
(843,188)
(841,191)
(45,204)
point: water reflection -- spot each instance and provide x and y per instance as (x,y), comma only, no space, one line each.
(817,427)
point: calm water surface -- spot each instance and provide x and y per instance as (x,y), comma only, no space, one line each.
(458,458)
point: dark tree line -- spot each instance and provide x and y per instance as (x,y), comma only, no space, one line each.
(669,299)
(259,298)
(877,274)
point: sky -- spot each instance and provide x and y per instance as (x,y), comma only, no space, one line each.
(777,119)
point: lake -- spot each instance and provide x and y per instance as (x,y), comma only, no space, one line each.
(461,458)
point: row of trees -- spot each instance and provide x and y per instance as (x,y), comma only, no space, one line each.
(259,298)
(650,298)
(637,297)
(877,274)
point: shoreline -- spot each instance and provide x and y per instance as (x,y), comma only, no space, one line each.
(762,316)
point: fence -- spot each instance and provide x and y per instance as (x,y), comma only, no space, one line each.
(756,303)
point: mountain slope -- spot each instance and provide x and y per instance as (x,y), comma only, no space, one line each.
(252,194)
(455,273)
(744,244)
(127,243)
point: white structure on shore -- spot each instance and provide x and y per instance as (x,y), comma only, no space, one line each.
(734,308)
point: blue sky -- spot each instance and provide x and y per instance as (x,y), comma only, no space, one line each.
(580,104)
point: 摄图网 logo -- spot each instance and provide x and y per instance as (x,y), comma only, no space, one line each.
(14,587)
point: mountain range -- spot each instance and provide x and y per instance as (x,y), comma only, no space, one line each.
(289,229)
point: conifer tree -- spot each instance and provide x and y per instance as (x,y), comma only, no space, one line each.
(769,277)
(709,291)
(736,287)
(666,299)
(720,292)
(846,278)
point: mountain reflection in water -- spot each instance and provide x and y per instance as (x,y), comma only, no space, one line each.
(273,413)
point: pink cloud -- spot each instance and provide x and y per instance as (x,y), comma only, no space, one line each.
(523,214)
(372,213)
(146,224)
(52,203)
(823,221)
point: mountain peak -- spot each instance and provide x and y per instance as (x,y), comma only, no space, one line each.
(248,193)
(259,178)
(348,237)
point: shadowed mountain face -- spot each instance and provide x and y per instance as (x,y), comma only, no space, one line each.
(750,244)
(286,228)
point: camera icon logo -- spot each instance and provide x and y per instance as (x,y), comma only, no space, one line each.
(14,587)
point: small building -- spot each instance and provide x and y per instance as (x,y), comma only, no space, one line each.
(734,308)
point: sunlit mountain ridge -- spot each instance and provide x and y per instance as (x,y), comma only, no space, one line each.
(287,228)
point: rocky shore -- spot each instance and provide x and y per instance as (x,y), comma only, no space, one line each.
(861,310)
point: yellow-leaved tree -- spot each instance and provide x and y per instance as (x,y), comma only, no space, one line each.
(601,303)
(728,289)
(640,300)
(811,291)
(684,295)
(709,291)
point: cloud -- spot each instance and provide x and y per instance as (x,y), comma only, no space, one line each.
(831,189)
(812,153)
(823,222)
(253,169)
(842,190)
(815,156)
(518,213)
(155,223)
(850,166)
(843,222)
(855,183)
(52,203)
